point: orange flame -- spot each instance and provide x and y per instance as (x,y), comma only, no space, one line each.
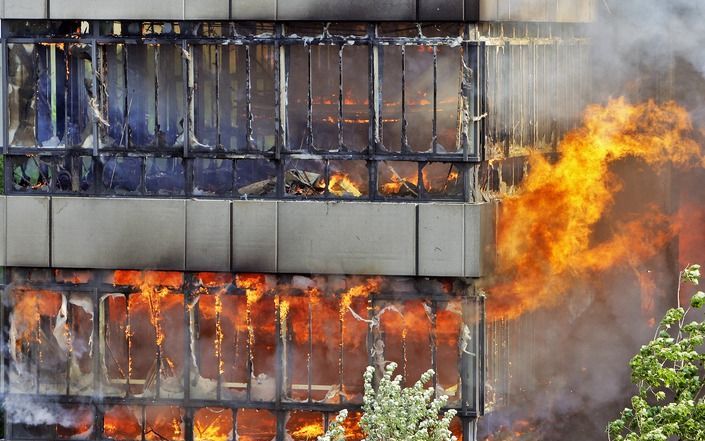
(545,232)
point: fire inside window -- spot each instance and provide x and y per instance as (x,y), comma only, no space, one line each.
(144,355)
(250,110)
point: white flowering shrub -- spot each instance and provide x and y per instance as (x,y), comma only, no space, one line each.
(393,413)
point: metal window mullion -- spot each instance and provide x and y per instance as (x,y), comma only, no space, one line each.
(128,344)
(67,97)
(186,74)
(279,352)
(434,127)
(188,356)
(310,349)
(157,128)
(96,92)
(218,51)
(309,139)
(69,340)
(249,142)
(434,342)
(279,94)
(6,110)
(95,344)
(373,86)
(340,98)
(404,140)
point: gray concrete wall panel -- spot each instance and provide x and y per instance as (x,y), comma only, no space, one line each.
(24,9)
(347,238)
(441,238)
(346,10)
(3,230)
(479,239)
(206,9)
(118,233)
(254,236)
(254,9)
(207,235)
(439,10)
(28,231)
(118,10)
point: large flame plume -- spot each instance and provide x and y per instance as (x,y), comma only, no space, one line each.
(546,231)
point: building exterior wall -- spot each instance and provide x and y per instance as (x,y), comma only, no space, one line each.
(451,240)
(367,10)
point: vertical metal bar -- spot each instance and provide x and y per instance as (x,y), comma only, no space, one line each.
(434,140)
(340,97)
(481,340)
(128,97)
(95,343)
(373,144)
(310,347)
(157,125)
(434,342)
(69,341)
(248,92)
(279,350)
(218,51)
(98,419)
(404,140)
(280,90)
(6,109)
(309,138)
(188,424)
(96,92)
(188,356)
(144,421)
(128,343)
(186,70)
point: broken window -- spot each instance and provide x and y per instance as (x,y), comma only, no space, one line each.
(263,95)
(49,95)
(174,356)
(146,106)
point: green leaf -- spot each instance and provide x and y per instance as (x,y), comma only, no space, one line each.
(698,300)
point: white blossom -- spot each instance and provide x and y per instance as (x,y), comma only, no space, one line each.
(394,413)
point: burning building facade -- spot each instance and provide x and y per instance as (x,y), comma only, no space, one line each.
(218,213)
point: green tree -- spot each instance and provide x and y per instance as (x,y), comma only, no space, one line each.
(393,413)
(668,372)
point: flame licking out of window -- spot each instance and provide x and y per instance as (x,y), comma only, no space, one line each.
(208,356)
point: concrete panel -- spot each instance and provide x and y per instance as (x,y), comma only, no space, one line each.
(528,10)
(441,237)
(118,233)
(489,10)
(24,9)
(207,235)
(110,9)
(575,11)
(347,238)
(254,236)
(480,245)
(254,9)
(438,10)
(206,9)
(3,230)
(28,231)
(346,10)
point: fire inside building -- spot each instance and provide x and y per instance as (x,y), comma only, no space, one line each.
(217,214)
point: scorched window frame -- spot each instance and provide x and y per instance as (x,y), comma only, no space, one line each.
(22,279)
(469,127)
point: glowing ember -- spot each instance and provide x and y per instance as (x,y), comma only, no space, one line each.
(546,230)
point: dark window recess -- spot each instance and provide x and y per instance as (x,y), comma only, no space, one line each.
(244,109)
